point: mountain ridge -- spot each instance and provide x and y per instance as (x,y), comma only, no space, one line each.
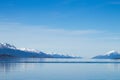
(109,55)
(8,50)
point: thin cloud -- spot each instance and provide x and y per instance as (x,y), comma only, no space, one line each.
(68,32)
(47,30)
(111,38)
(79,32)
(115,3)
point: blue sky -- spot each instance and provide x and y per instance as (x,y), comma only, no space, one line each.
(77,27)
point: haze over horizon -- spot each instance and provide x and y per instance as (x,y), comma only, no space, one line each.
(78,27)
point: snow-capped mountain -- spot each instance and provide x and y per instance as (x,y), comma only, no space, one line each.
(109,55)
(6,45)
(29,50)
(8,50)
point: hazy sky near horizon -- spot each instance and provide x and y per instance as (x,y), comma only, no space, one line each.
(77,27)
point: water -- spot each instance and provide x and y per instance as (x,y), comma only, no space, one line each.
(36,69)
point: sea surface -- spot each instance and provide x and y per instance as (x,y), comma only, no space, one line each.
(59,69)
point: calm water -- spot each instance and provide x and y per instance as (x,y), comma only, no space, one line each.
(35,69)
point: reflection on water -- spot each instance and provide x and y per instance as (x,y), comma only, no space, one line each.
(16,64)
(11,69)
(113,67)
(5,67)
(10,64)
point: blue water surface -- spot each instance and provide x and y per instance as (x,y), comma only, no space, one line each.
(33,69)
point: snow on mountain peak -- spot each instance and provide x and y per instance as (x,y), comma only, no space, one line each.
(8,50)
(6,45)
(29,50)
(109,55)
(112,52)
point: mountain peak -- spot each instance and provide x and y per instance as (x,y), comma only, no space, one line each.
(6,45)
(112,52)
(29,50)
(8,50)
(109,55)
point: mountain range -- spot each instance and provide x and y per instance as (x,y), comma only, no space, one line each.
(109,55)
(8,50)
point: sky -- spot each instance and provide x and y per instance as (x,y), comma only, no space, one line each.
(76,27)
